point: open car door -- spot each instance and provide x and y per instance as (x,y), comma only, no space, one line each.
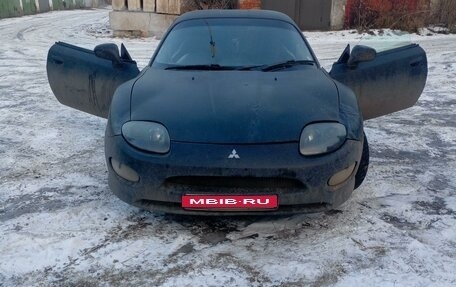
(86,80)
(385,82)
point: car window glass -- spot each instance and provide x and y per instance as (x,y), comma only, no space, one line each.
(387,40)
(232,42)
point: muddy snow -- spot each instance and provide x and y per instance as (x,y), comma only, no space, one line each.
(60,225)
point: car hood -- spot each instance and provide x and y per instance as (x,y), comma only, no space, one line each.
(235,107)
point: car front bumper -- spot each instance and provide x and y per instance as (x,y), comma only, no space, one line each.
(301,183)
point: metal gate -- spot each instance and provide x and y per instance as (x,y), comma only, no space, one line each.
(308,14)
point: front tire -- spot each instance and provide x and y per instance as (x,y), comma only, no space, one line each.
(363,164)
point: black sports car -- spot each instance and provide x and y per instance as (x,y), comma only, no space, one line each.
(234,115)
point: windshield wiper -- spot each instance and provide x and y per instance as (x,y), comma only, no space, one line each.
(213,67)
(287,64)
(250,68)
(264,68)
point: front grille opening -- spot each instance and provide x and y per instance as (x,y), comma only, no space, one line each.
(235,182)
(174,207)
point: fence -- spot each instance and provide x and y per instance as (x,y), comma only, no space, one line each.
(15,8)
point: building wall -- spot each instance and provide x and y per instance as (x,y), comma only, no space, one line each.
(249,4)
(153,17)
(143,17)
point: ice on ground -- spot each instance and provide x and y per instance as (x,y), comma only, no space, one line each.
(60,224)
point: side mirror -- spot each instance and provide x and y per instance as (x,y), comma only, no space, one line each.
(361,54)
(108,51)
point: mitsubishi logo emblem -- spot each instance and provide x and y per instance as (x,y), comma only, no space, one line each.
(234,155)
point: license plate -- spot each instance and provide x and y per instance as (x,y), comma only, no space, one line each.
(229,202)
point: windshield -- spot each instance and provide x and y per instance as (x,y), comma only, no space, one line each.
(232,42)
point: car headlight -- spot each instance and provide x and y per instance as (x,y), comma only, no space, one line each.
(147,136)
(322,138)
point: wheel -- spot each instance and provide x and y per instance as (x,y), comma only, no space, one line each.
(363,164)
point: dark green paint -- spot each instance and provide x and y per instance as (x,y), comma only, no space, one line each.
(29,7)
(10,8)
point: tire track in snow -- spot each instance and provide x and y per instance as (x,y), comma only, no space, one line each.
(398,227)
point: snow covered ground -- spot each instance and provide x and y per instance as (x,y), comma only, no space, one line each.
(60,225)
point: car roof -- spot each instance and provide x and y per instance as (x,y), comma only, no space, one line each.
(234,13)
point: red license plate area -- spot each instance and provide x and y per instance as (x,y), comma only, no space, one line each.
(229,202)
